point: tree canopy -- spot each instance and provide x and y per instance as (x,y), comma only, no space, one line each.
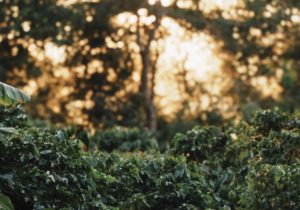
(99,63)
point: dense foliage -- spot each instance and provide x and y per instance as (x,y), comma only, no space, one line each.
(43,169)
(250,166)
(200,143)
(124,140)
(95,64)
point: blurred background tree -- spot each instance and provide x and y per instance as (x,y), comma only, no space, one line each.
(160,65)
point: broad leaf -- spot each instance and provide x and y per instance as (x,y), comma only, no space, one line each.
(7,130)
(5,203)
(10,96)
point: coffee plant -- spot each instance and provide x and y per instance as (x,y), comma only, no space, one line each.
(124,140)
(200,143)
(246,167)
(42,169)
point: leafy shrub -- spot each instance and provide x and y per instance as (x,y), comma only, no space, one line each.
(12,117)
(154,182)
(42,169)
(272,187)
(249,166)
(199,143)
(267,162)
(267,120)
(276,138)
(280,147)
(124,140)
(273,177)
(227,161)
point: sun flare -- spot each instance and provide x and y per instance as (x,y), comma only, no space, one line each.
(180,52)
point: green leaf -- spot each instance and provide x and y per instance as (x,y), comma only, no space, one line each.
(7,130)
(179,172)
(279,173)
(5,203)
(10,96)
(7,177)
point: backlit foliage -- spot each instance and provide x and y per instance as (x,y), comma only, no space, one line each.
(248,166)
(80,60)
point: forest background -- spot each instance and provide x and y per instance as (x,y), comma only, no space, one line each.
(162,65)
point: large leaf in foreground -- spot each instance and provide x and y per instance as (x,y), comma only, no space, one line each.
(7,130)
(10,96)
(5,203)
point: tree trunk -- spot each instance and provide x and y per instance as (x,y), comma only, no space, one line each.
(147,83)
(145,90)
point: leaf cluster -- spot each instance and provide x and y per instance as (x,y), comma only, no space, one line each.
(124,140)
(249,166)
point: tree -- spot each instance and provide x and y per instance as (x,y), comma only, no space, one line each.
(96,74)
